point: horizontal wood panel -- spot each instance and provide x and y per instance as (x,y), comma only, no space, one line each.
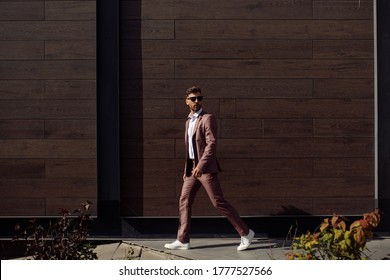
(343,49)
(267,167)
(273,29)
(258,182)
(305,108)
(132,189)
(48,148)
(70,49)
(70,168)
(70,10)
(263,187)
(48,30)
(136,207)
(344,167)
(346,206)
(232,9)
(284,128)
(343,88)
(252,88)
(149,148)
(149,186)
(152,128)
(158,148)
(22,168)
(227,108)
(148,49)
(22,10)
(157,167)
(39,109)
(48,69)
(241,128)
(24,129)
(271,68)
(147,69)
(147,30)
(294,147)
(272,207)
(220,88)
(48,188)
(22,206)
(256,187)
(159,188)
(70,129)
(148,108)
(20,50)
(343,9)
(344,127)
(70,89)
(22,89)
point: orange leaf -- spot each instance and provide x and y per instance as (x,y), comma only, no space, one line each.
(343,226)
(324,226)
(355,224)
(363,223)
(334,220)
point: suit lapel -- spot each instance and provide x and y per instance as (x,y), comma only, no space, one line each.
(198,120)
(186,133)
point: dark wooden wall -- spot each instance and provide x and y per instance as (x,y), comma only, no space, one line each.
(291,83)
(292,86)
(47,106)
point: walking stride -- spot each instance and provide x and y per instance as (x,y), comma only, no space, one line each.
(201,169)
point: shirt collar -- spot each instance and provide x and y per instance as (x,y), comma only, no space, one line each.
(195,115)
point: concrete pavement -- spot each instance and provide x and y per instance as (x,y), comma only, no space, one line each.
(221,248)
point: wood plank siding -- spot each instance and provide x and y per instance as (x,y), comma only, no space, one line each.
(47,106)
(291,84)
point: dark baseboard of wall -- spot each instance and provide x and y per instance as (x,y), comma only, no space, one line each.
(271,227)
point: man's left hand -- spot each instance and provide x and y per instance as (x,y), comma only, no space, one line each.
(197,172)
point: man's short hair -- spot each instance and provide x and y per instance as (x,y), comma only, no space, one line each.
(193,89)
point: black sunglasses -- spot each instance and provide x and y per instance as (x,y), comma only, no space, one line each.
(193,98)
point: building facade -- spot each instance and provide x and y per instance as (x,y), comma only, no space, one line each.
(92,105)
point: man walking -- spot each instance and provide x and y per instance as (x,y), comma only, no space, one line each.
(201,169)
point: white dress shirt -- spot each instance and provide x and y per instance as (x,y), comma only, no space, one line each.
(191,126)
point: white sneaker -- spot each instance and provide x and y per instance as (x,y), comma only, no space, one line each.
(246,241)
(177,245)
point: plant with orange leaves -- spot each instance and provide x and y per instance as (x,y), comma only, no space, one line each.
(333,241)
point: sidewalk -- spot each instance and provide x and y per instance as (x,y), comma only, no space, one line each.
(216,249)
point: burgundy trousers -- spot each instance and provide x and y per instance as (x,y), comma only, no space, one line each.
(212,186)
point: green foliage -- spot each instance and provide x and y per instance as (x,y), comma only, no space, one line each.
(64,239)
(333,241)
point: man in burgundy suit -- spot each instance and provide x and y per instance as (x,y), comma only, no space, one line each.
(201,169)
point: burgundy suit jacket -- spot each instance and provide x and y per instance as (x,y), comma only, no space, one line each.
(205,144)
